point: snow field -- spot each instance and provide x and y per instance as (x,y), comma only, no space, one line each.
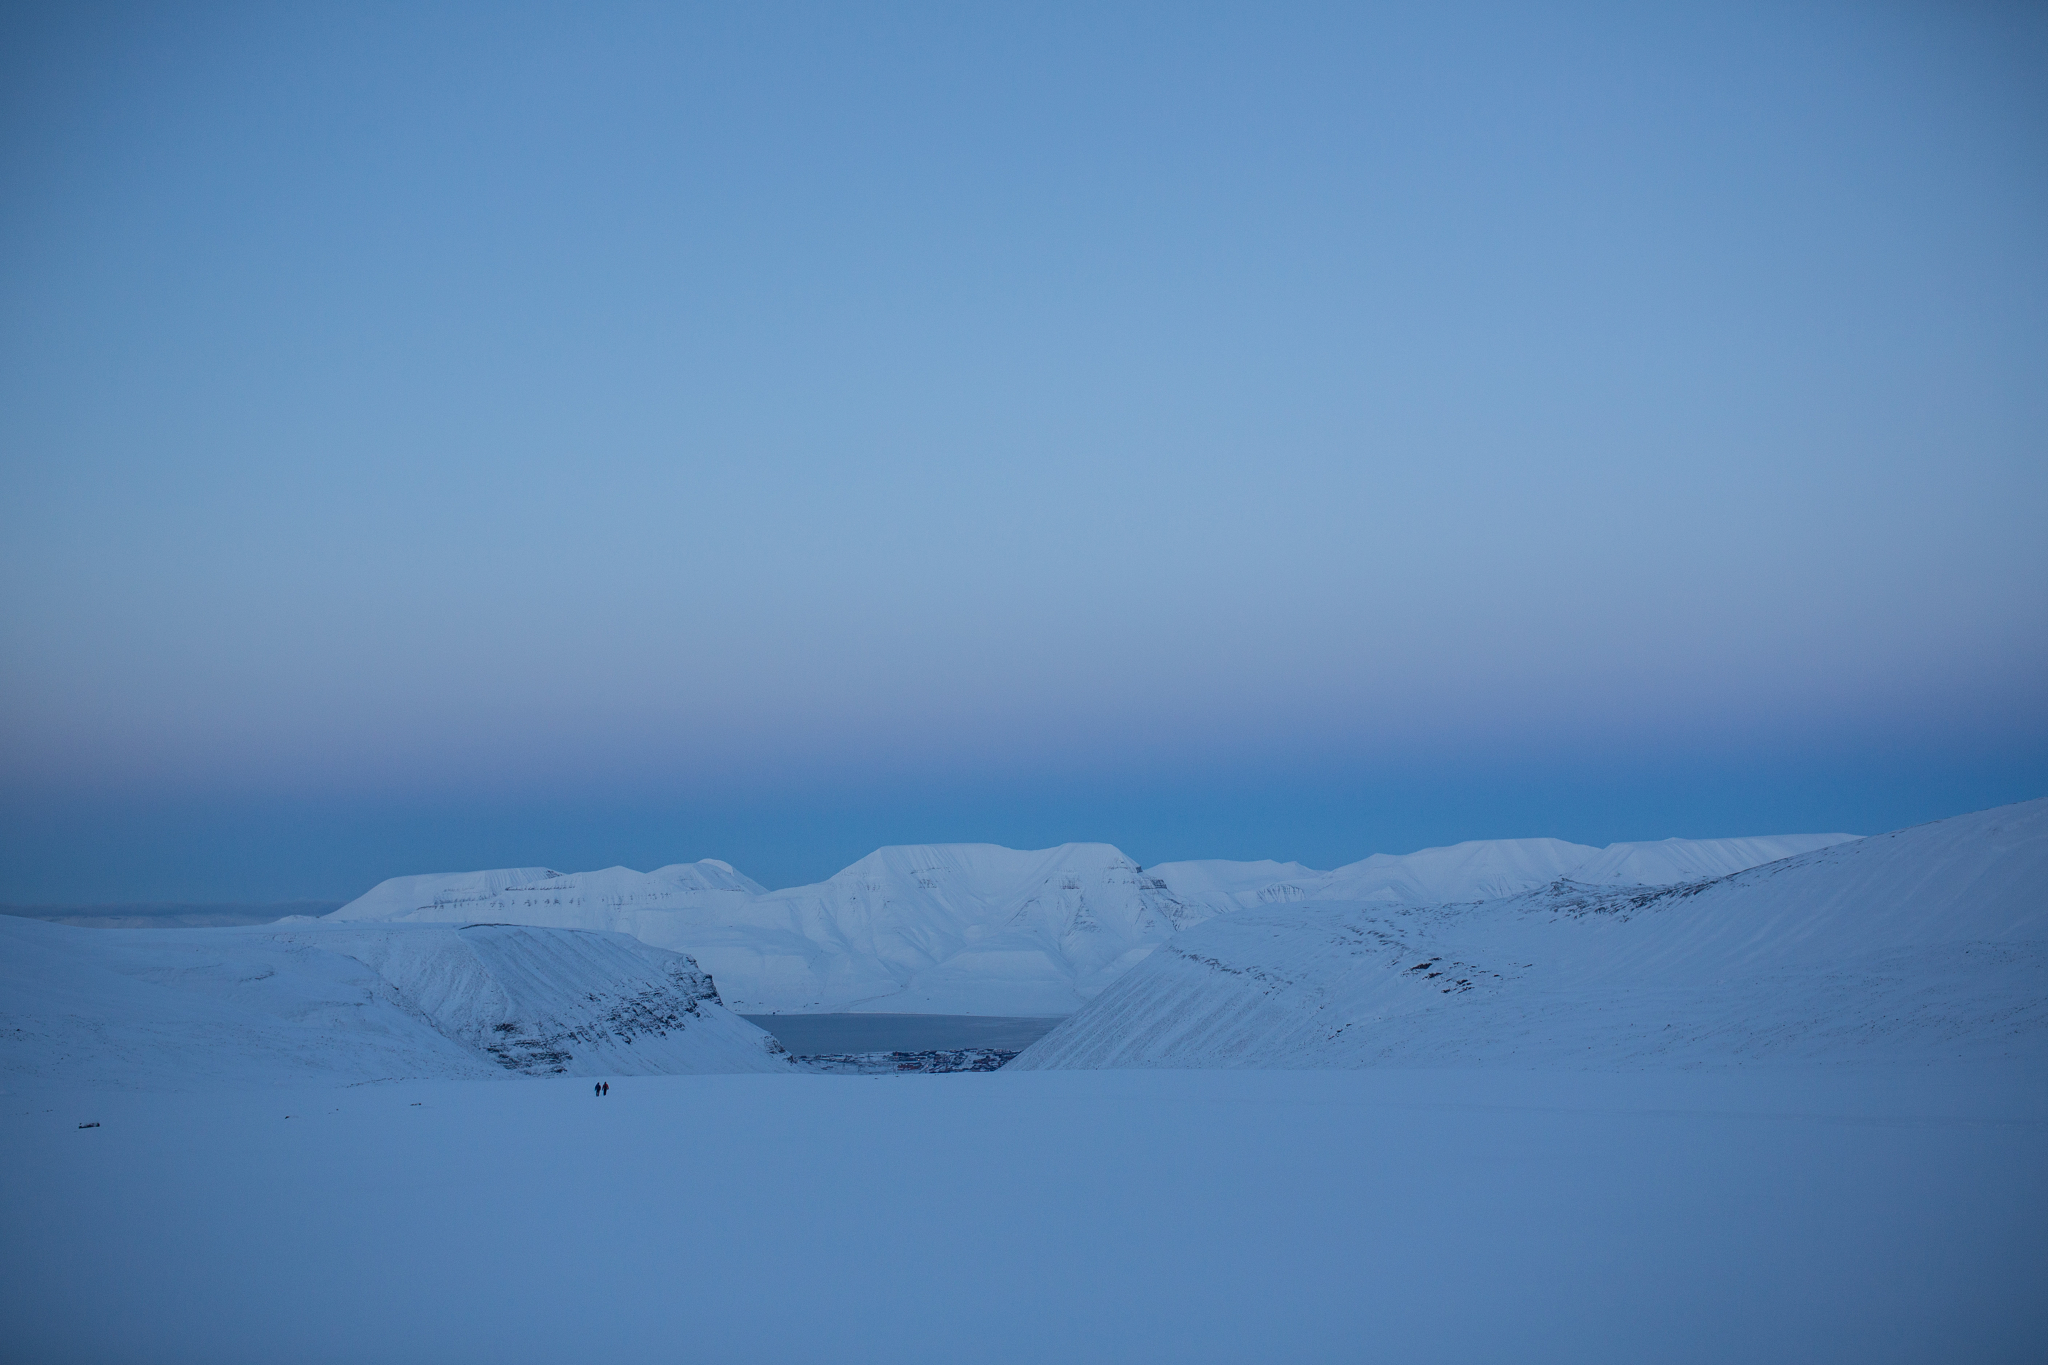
(1770,1214)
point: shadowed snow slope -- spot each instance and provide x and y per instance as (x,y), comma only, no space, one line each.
(1927,943)
(979,929)
(311,1003)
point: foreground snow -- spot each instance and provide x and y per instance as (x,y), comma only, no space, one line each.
(1926,944)
(979,929)
(1768,1215)
(349,1003)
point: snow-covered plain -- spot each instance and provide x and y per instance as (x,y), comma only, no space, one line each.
(1925,945)
(979,929)
(1767,1215)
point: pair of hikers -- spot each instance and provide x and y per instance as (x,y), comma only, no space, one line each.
(601,1088)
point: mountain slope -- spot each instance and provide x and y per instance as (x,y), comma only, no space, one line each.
(171,1008)
(956,928)
(1486,868)
(980,929)
(615,898)
(953,928)
(1925,943)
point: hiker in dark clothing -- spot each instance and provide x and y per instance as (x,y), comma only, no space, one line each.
(597,1087)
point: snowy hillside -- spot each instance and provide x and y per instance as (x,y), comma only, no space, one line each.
(947,929)
(346,1003)
(1217,882)
(1482,869)
(957,928)
(1928,943)
(617,898)
(979,929)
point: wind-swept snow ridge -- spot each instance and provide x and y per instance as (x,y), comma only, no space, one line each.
(980,929)
(346,1003)
(1927,943)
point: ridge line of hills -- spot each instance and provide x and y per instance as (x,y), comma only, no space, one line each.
(983,929)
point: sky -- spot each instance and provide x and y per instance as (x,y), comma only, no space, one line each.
(447,436)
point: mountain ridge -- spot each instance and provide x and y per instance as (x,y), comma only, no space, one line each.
(984,929)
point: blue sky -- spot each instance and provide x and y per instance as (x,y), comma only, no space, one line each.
(452,436)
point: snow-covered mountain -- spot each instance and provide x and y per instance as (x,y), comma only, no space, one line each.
(616,898)
(322,1003)
(979,929)
(1483,869)
(951,929)
(1234,885)
(1927,943)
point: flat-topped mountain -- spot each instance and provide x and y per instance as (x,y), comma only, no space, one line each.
(613,898)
